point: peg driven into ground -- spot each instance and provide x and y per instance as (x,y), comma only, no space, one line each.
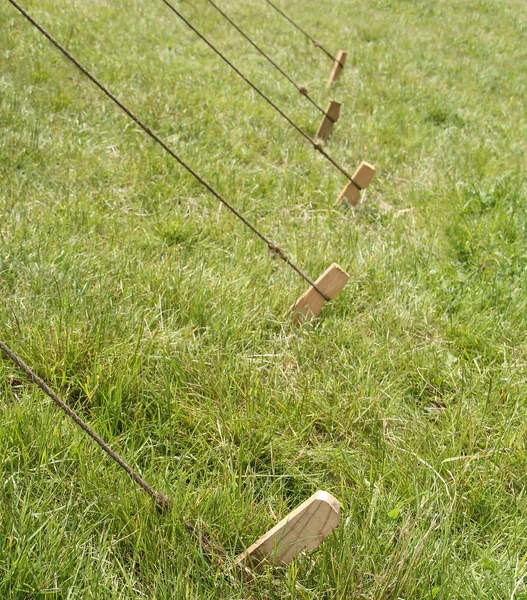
(164,324)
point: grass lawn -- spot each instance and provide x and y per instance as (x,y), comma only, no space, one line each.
(159,318)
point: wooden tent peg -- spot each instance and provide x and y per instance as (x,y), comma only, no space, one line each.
(328,120)
(337,67)
(360,180)
(303,529)
(310,303)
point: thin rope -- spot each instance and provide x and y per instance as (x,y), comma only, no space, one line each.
(162,500)
(300,88)
(274,248)
(313,41)
(316,145)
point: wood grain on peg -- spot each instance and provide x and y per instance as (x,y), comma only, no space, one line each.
(303,529)
(364,175)
(328,120)
(310,303)
(337,67)
(361,179)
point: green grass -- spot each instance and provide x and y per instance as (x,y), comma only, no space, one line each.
(159,317)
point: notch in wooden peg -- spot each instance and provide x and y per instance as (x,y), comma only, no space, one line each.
(328,120)
(303,529)
(310,303)
(360,180)
(337,67)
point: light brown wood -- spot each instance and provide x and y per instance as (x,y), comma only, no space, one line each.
(303,529)
(328,120)
(364,175)
(361,179)
(310,303)
(337,67)
(350,194)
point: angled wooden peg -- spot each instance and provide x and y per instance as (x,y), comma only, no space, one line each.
(303,529)
(360,180)
(328,120)
(337,67)
(310,303)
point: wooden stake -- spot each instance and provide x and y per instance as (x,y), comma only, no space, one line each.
(337,67)
(329,119)
(303,529)
(361,179)
(310,303)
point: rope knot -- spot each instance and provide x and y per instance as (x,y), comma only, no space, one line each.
(163,502)
(275,251)
(316,44)
(303,90)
